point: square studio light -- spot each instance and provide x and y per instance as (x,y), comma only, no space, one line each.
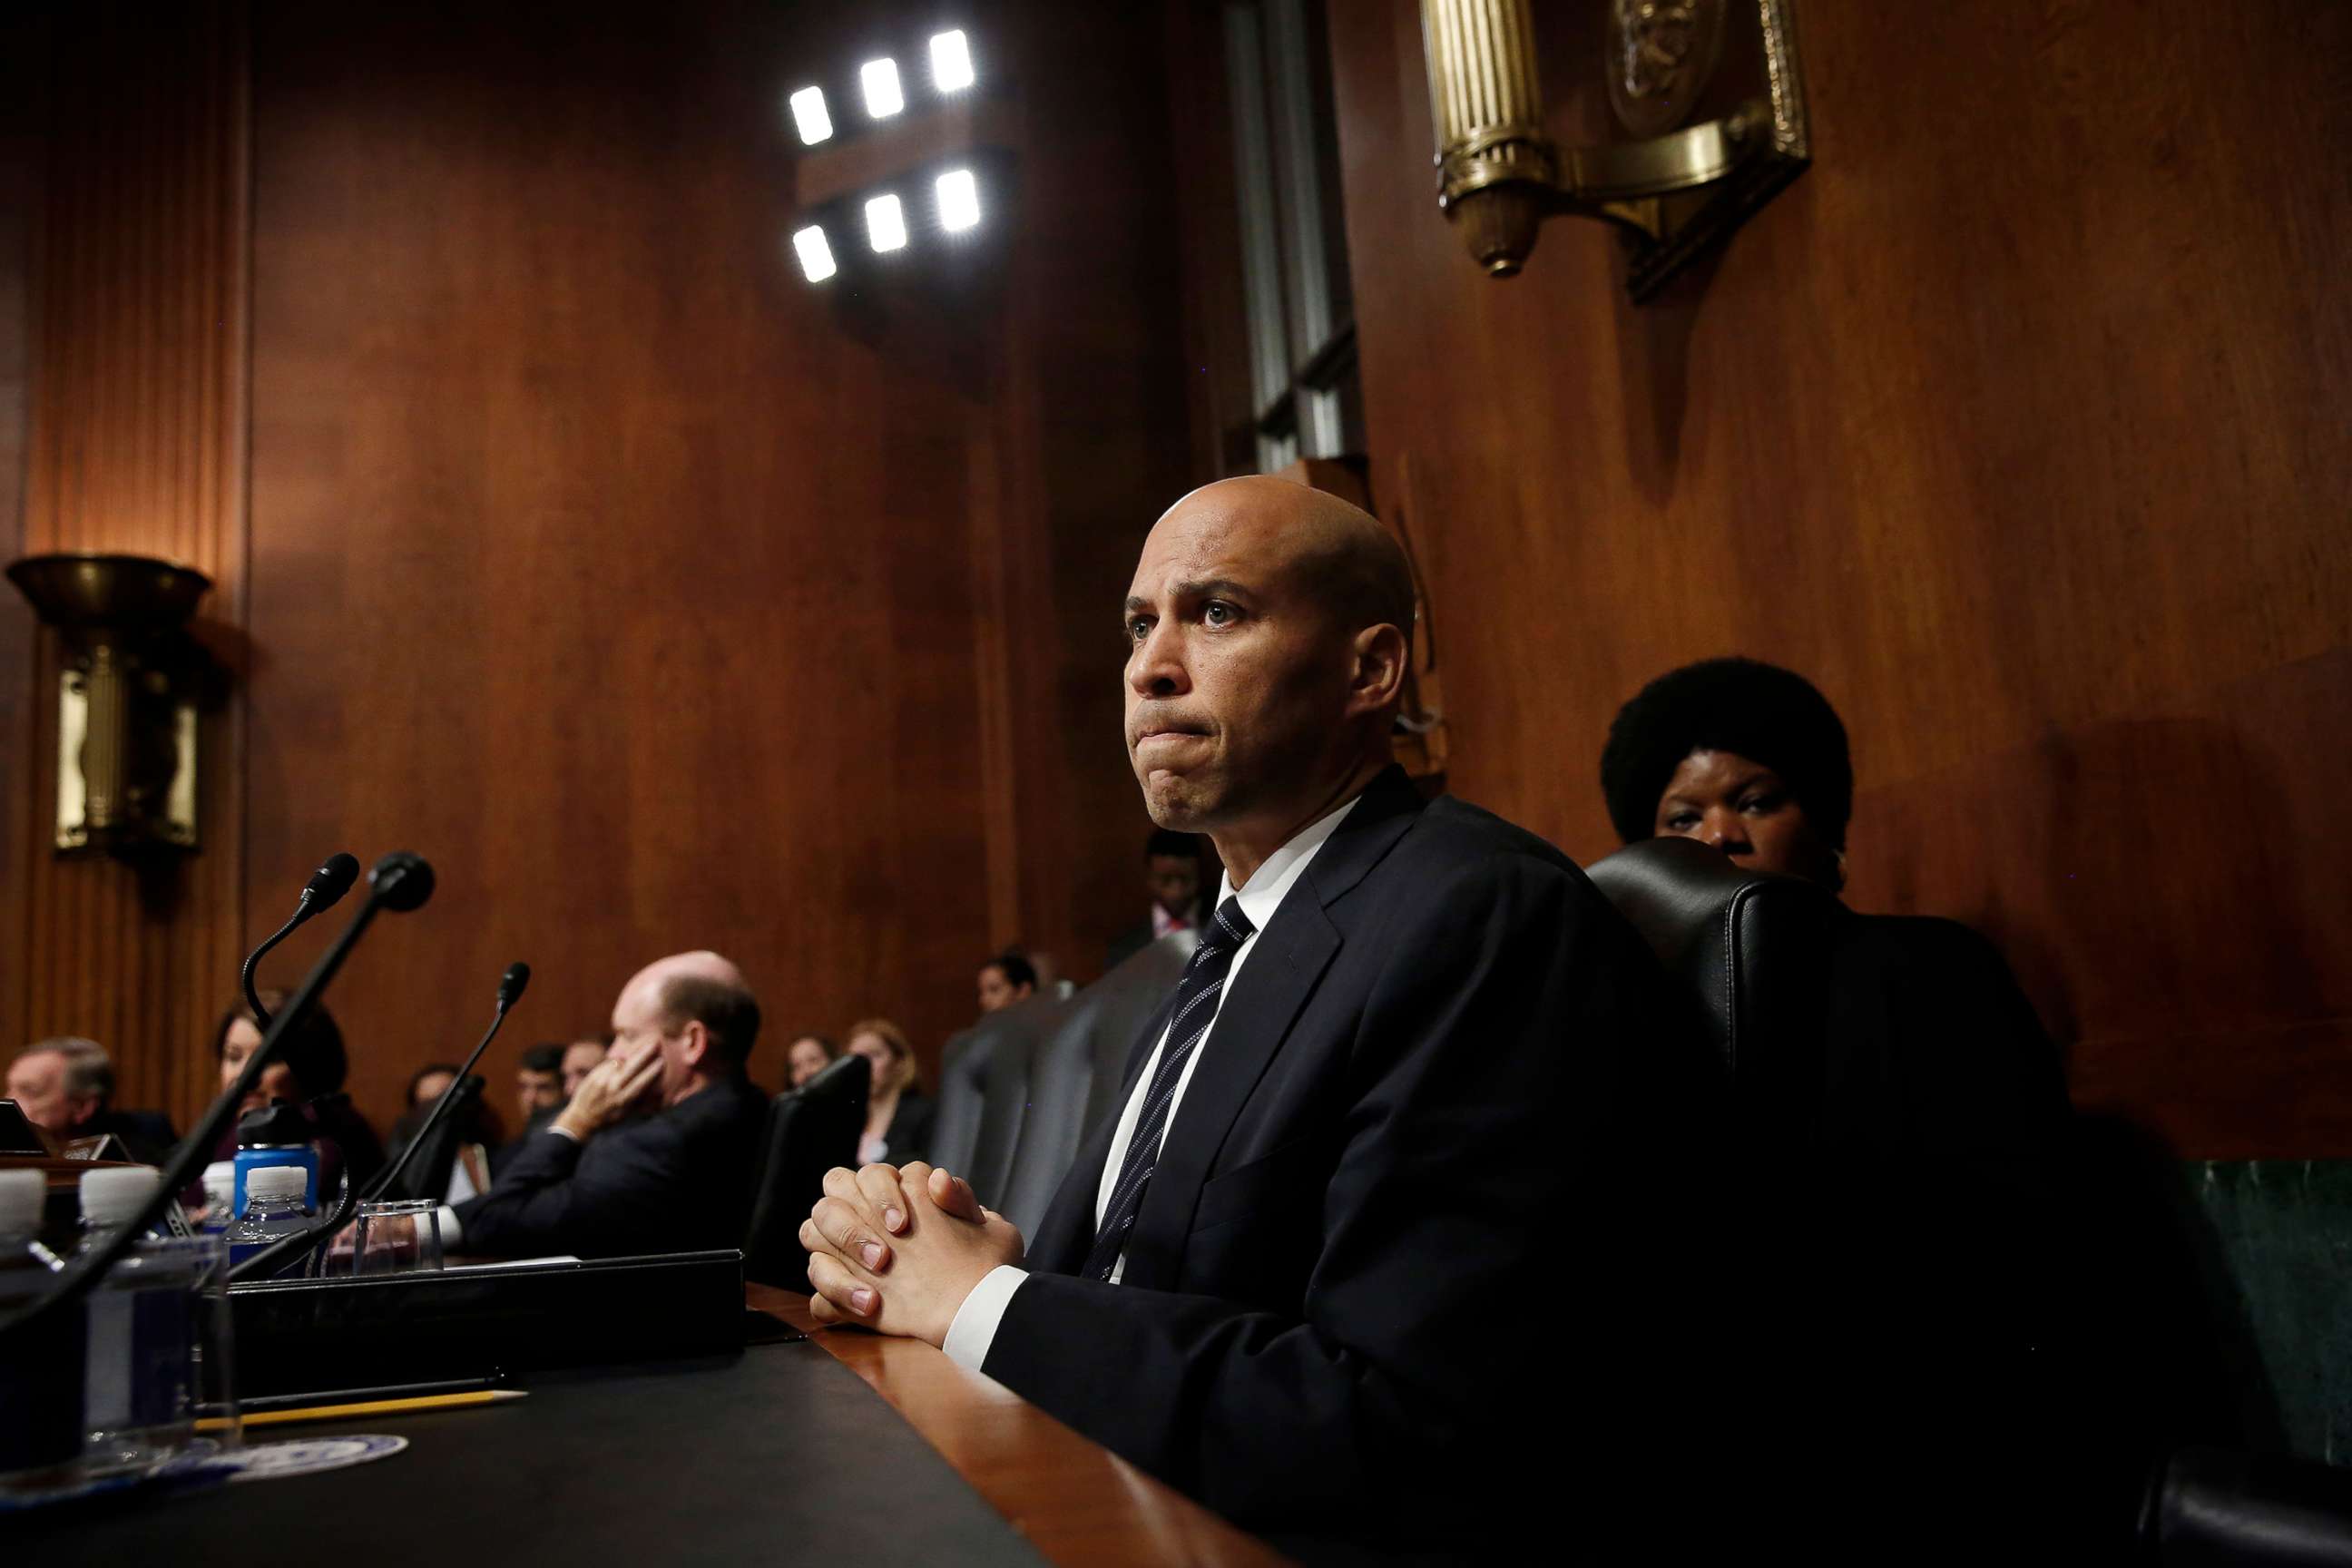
(809,116)
(959,197)
(950,62)
(817,256)
(886,224)
(880,77)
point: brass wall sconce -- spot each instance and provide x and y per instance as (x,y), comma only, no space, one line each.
(1675,189)
(126,698)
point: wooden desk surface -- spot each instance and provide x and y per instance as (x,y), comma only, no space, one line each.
(1079,1504)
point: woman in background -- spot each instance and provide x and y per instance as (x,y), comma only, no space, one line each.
(899,1115)
(1942,1111)
(309,1067)
(808,1057)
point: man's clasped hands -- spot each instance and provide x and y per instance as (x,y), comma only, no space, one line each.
(897,1248)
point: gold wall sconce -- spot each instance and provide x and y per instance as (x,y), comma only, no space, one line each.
(126,699)
(1674,189)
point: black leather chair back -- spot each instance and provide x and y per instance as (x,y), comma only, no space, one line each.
(2211,1507)
(986,1072)
(1750,954)
(1074,1073)
(811,1130)
(964,1090)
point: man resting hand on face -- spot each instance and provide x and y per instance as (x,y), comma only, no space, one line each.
(1355,1263)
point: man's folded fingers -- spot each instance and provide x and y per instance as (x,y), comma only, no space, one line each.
(954,1195)
(878,1186)
(842,1227)
(853,1296)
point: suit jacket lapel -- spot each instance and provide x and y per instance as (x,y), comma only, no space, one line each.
(1274,984)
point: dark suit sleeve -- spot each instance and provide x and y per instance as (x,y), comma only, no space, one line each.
(1484,1083)
(554,1198)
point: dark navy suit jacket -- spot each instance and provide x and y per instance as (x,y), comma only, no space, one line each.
(1391,1230)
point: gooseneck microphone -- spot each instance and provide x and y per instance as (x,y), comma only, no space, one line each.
(327,885)
(400,882)
(511,985)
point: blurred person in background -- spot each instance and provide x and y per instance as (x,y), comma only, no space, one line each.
(580,1060)
(65,1087)
(308,1073)
(898,1114)
(806,1057)
(1007,978)
(1174,878)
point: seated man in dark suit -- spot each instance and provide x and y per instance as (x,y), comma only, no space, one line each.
(656,1151)
(1352,1260)
(65,1087)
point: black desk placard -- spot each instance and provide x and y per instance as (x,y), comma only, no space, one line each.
(301,1336)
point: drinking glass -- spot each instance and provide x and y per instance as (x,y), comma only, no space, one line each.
(398,1236)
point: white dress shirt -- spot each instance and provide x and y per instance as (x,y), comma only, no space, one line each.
(974,1328)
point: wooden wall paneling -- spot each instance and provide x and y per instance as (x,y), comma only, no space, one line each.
(136,442)
(2029,458)
(1096,337)
(23,48)
(660,598)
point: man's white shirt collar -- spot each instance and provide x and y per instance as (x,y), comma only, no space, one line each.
(1272,881)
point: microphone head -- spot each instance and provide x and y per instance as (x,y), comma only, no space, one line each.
(331,881)
(513,984)
(401,881)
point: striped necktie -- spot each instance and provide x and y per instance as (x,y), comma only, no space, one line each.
(1196,1008)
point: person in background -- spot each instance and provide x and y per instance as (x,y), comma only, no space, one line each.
(539,1085)
(580,1060)
(539,1095)
(1007,978)
(65,1087)
(808,1057)
(899,1115)
(654,1150)
(427,1085)
(1172,879)
(308,1072)
(1939,1080)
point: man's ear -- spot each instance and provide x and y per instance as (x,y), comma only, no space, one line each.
(693,1042)
(1377,678)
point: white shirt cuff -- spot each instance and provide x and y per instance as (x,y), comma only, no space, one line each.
(452,1233)
(563,1131)
(974,1329)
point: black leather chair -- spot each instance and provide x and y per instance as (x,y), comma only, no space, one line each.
(811,1130)
(1754,958)
(1750,953)
(984,1093)
(1074,1073)
(2210,1508)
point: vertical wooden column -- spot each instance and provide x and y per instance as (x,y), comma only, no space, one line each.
(136,441)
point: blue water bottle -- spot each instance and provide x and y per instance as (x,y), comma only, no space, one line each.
(278,1135)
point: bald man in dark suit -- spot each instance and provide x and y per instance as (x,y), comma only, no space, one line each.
(1356,1262)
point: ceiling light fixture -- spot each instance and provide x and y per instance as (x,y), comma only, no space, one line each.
(809,115)
(883,98)
(886,224)
(958,195)
(817,256)
(950,62)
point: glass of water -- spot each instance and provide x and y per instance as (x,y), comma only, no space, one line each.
(398,1236)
